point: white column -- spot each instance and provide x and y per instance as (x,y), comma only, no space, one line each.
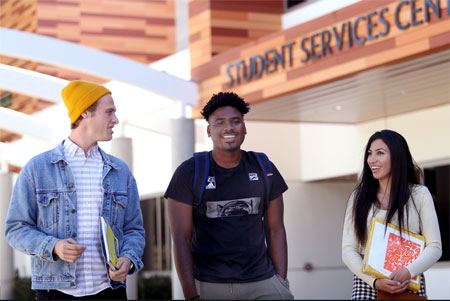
(122,148)
(183,146)
(6,252)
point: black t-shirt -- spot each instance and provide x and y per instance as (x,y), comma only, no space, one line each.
(228,240)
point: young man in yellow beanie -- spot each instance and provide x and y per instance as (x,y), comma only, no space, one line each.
(59,197)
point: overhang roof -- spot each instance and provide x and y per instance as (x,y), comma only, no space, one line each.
(411,85)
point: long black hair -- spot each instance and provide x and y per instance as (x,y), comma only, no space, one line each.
(404,172)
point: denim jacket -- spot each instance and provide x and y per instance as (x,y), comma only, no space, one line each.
(43,209)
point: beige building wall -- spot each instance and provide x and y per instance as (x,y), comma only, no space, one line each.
(332,150)
(327,151)
(311,151)
(427,132)
(314,216)
(280,141)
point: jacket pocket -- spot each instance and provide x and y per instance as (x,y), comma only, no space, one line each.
(119,205)
(48,209)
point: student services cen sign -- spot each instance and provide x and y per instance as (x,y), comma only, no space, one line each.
(370,27)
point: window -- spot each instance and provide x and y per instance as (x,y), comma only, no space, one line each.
(5,100)
(157,253)
(437,180)
(291,3)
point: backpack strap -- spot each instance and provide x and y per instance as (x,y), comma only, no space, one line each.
(266,167)
(267,170)
(201,172)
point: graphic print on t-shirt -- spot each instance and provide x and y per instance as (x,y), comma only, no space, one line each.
(253,176)
(211,183)
(239,207)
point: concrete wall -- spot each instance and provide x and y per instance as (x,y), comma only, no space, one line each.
(280,141)
(327,151)
(330,150)
(314,216)
(427,132)
(438,281)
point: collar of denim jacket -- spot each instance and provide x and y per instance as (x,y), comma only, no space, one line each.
(57,154)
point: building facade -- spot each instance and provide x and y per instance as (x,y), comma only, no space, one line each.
(321,77)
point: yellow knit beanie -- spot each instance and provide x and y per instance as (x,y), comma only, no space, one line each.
(79,95)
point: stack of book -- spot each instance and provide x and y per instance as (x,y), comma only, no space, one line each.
(110,244)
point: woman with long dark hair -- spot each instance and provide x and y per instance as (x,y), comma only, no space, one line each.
(389,190)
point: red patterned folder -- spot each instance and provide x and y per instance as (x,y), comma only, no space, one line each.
(389,251)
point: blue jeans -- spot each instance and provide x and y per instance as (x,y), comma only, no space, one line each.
(107,294)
